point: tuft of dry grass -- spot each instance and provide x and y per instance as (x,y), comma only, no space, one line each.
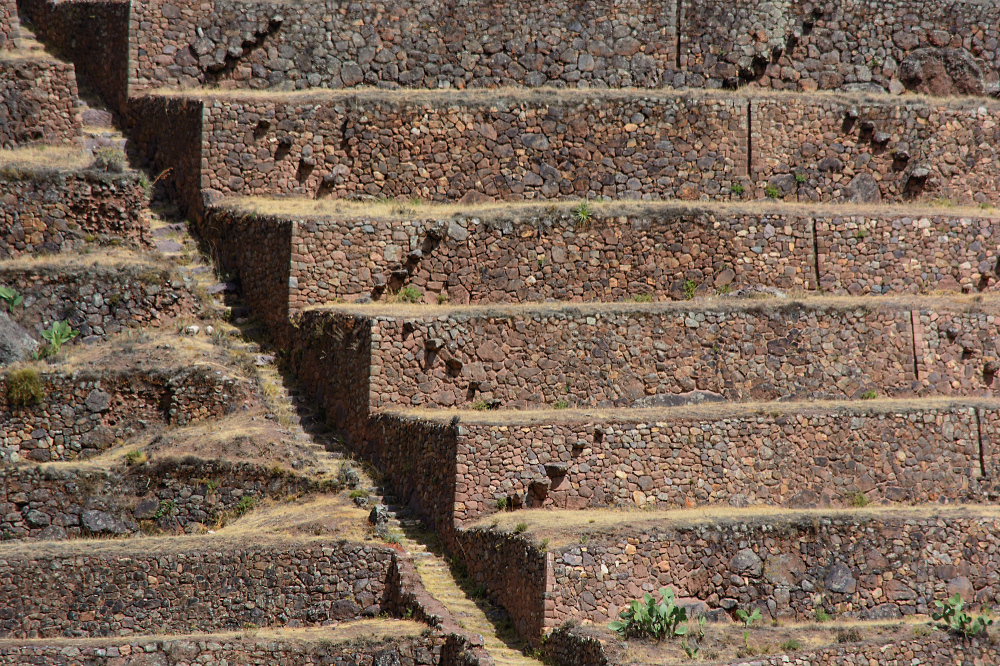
(43,157)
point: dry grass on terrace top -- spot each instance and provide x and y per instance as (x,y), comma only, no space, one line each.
(495,97)
(342,632)
(565,527)
(709,411)
(973,303)
(312,521)
(294,207)
(106,258)
(33,158)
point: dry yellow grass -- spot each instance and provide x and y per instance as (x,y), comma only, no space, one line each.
(602,210)
(44,157)
(494,96)
(985,303)
(706,411)
(564,527)
(105,257)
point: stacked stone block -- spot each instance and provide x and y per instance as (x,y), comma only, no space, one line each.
(37,102)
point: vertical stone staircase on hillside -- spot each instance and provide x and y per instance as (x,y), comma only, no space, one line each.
(686,295)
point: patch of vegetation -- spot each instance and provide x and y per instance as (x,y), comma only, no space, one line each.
(520,528)
(821,615)
(791,645)
(641,298)
(442,299)
(109,159)
(736,188)
(360,492)
(861,233)
(166,509)
(800,177)
(957,620)
(57,335)
(689,289)
(772,192)
(246,504)
(502,504)
(583,213)
(544,545)
(10,296)
(135,457)
(24,387)
(869,395)
(859,500)
(480,405)
(561,404)
(852,635)
(647,618)
(408,294)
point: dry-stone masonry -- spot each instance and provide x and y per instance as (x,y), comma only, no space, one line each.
(10,30)
(46,211)
(37,103)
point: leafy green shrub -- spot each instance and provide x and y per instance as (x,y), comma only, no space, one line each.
(561,404)
(57,335)
(869,395)
(736,188)
(409,294)
(957,620)
(772,192)
(24,387)
(10,296)
(649,618)
(245,505)
(821,615)
(480,405)
(852,635)
(791,645)
(502,504)
(859,500)
(689,289)
(520,528)
(800,177)
(642,298)
(748,617)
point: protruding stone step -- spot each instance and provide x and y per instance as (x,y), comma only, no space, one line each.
(37,100)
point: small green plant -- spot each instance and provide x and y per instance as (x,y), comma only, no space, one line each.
(646,617)
(642,298)
(692,651)
(791,645)
(24,387)
(409,294)
(135,457)
(10,296)
(442,299)
(689,289)
(736,188)
(748,617)
(852,635)
(861,233)
(57,335)
(544,545)
(869,395)
(800,177)
(358,493)
(245,505)
(166,508)
(957,620)
(583,213)
(772,192)
(502,504)
(561,404)
(480,405)
(821,615)
(859,500)
(520,528)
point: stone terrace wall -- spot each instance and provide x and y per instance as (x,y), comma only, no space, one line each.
(220,586)
(84,413)
(589,646)
(333,44)
(805,45)
(865,149)
(434,649)
(514,574)
(804,458)
(644,355)
(98,301)
(94,34)
(54,503)
(880,254)
(10,28)
(49,211)
(534,255)
(37,103)
(533,145)
(878,566)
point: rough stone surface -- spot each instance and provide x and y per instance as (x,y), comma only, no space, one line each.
(16,343)
(942,72)
(37,102)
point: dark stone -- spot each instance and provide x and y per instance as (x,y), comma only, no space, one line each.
(746,562)
(102,522)
(147,508)
(942,72)
(839,579)
(863,189)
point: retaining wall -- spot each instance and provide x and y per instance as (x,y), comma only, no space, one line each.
(869,149)
(174,496)
(38,103)
(878,566)
(654,355)
(588,646)
(84,413)
(10,28)
(435,649)
(211,586)
(98,301)
(795,458)
(530,145)
(58,211)
(95,34)
(654,253)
